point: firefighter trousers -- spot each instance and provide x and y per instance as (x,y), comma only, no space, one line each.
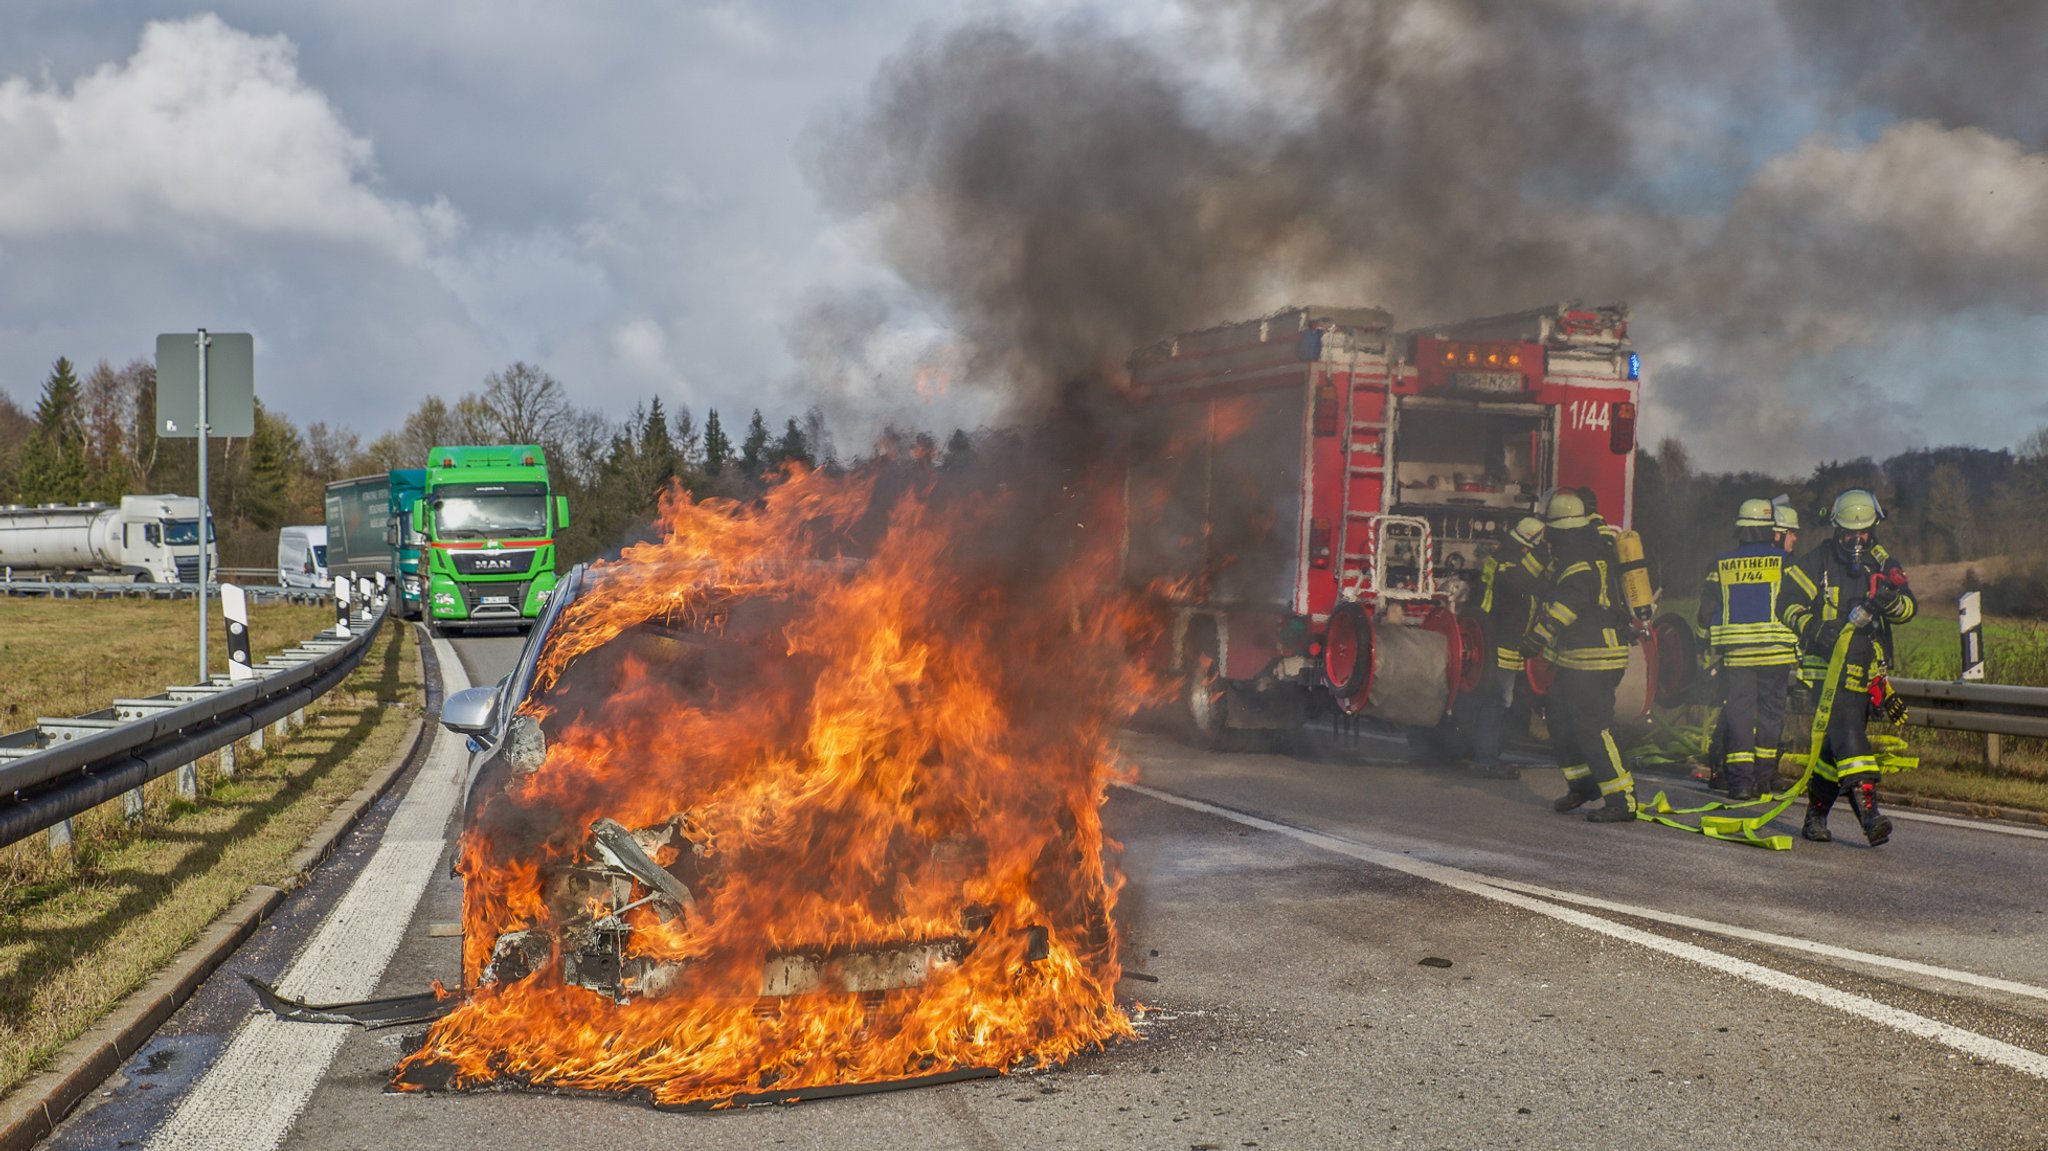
(1489,714)
(1579,711)
(1753,717)
(1845,751)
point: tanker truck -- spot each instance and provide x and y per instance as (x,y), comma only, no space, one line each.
(1321,489)
(146,539)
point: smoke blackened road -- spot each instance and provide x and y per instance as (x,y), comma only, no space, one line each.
(1287,905)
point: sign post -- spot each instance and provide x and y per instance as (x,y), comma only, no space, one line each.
(205,387)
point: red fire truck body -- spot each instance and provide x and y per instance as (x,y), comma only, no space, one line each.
(1317,465)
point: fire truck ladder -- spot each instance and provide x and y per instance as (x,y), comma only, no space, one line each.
(1370,535)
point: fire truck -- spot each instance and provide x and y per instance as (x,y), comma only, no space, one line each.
(1320,490)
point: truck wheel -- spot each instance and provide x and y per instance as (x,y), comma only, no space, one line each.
(1205,696)
(1347,654)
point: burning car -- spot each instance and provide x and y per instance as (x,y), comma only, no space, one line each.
(668,867)
(803,796)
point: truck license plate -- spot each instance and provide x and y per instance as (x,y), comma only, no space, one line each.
(506,599)
(1496,382)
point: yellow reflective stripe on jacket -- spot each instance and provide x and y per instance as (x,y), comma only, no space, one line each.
(1591,658)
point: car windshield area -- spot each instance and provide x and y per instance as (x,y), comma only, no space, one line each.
(185,533)
(477,510)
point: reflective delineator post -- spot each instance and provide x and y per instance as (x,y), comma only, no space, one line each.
(342,586)
(1970,622)
(234,607)
(363,596)
(1970,618)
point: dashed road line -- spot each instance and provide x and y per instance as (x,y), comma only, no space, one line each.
(256,1090)
(2021,1059)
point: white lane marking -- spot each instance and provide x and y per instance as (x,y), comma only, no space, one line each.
(1788,942)
(2020,1059)
(1971,824)
(255,1091)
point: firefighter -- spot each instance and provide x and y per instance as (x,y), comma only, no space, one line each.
(1581,627)
(1508,583)
(1847,581)
(1739,612)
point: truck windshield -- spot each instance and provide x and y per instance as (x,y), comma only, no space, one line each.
(185,533)
(319,550)
(490,509)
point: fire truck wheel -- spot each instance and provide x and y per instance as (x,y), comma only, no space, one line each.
(1347,654)
(1205,696)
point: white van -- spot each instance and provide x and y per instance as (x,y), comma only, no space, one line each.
(302,556)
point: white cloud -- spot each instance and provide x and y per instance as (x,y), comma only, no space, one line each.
(203,126)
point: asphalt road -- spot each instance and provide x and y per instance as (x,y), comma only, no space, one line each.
(1715,995)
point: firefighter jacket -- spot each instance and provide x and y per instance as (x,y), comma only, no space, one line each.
(1739,608)
(1509,581)
(1581,622)
(1826,585)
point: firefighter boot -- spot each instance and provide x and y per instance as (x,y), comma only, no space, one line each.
(1877,826)
(1820,795)
(1742,784)
(1578,797)
(1619,808)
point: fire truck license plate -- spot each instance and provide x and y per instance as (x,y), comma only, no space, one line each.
(1487,381)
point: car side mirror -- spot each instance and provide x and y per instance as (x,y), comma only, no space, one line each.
(469,712)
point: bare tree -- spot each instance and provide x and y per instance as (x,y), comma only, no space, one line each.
(334,453)
(527,405)
(108,415)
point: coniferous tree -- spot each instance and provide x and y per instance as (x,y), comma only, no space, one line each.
(53,464)
(792,447)
(657,451)
(717,445)
(754,449)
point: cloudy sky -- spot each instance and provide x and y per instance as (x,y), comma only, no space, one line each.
(1832,218)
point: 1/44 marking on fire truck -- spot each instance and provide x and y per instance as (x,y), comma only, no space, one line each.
(1590,415)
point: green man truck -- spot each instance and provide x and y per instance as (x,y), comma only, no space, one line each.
(489,531)
(403,536)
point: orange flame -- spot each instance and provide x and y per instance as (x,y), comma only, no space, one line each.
(893,764)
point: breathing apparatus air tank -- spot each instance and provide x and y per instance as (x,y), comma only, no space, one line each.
(1635,575)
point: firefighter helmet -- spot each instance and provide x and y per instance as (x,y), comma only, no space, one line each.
(1566,509)
(1528,531)
(1785,517)
(1856,510)
(1754,514)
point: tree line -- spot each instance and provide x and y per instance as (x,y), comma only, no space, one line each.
(1981,506)
(94,438)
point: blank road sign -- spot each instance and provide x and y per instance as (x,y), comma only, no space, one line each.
(230,384)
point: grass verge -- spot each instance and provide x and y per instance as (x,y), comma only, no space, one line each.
(69,657)
(77,932)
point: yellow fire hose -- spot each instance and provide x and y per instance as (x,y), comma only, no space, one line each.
(1748,828)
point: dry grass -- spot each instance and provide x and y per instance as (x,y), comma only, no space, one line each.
(79,931)
(69,657)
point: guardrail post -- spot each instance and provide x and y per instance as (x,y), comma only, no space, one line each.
(256,738)
(131,804)
(188,781)
(60,837)
(1994,750)
(227,762)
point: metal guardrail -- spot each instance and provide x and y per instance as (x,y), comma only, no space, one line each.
(1990,708)
(63,767)
(58,589)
